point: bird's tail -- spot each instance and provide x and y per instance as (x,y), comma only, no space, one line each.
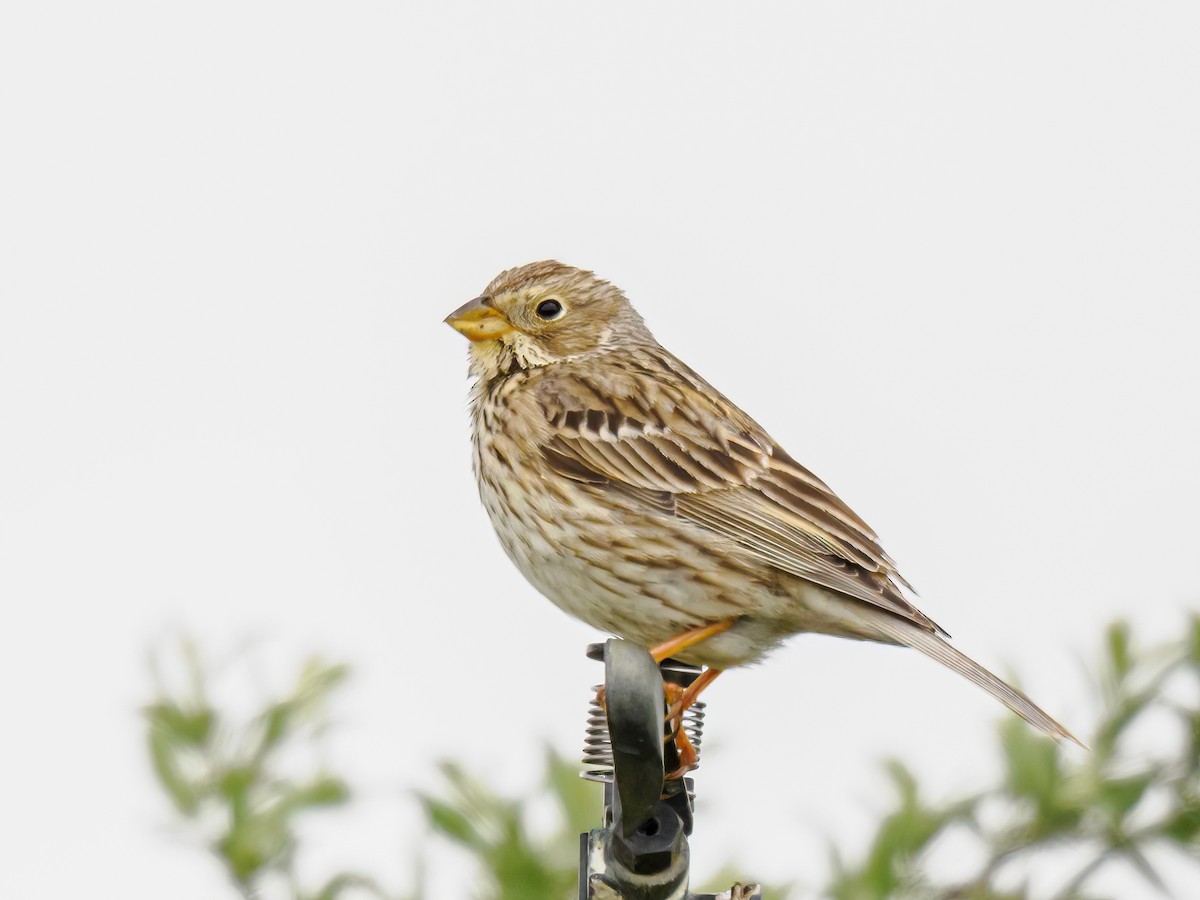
(911,635)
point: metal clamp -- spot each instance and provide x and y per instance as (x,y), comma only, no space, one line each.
(642,852)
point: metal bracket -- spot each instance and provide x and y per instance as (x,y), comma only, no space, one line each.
(642,853)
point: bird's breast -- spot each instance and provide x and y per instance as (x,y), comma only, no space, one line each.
(601,555)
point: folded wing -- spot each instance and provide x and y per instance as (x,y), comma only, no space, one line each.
(686,451)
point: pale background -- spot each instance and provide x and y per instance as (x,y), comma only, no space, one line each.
(945,252)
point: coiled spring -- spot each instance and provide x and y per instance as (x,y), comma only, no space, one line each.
(597,747)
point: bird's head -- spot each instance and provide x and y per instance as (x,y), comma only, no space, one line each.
(545,312)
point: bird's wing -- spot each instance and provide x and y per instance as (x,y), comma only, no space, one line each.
(681,448)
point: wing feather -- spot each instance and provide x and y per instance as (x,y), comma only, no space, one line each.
(684,450)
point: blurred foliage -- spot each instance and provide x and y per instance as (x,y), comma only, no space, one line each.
(1108,807)
(495,831)
(1088,812)
(1112,804)
(232,780)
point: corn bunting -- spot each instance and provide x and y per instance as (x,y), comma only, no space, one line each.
(639,499)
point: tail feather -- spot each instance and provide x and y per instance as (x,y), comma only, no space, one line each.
(910,635)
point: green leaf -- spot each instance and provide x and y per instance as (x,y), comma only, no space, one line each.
(276,723)
(322,791)
(252,844)
(1183,825)
(317,681)
(164,756)
(903,781)
(1031,760)
(1192,757)
(1119,657)
(1120,795)
(1123,712)
(191,728)
(523,871)
(1034,774)
(234,783)
(452,822)
(581,800)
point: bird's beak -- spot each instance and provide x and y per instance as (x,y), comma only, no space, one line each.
(479,320)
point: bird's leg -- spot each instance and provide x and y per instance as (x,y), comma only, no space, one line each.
(678,700)
(691,693)
(678,644)
(677,697)
(689,638)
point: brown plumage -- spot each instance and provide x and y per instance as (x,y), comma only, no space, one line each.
(639,499)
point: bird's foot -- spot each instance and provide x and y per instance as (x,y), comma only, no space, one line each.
(685,753)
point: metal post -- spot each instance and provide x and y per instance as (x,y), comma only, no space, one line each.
(641,853)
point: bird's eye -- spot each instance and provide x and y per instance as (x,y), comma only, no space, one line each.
(549,309)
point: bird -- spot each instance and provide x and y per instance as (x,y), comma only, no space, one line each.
(640,500)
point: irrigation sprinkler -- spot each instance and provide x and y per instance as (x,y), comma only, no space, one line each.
(641,850)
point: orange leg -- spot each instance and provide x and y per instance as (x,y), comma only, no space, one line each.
(688,757)
(688,639)
(692,691)
(678,644)
(678,701)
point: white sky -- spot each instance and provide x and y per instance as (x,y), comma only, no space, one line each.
(945,252)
